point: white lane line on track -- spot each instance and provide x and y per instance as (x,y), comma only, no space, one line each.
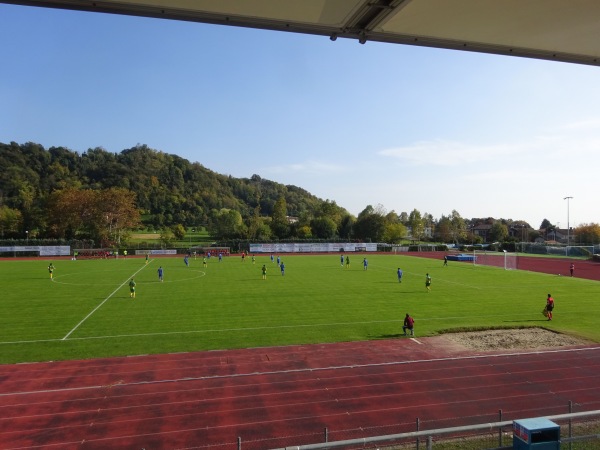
(312,369)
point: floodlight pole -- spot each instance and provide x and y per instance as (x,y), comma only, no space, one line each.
(568,226)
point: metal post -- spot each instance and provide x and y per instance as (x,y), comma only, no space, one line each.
(570,424)
(499,428)
(568,223)
(239,443)
(418,429)
(326,435)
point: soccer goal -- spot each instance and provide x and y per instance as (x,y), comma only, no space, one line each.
(506,260)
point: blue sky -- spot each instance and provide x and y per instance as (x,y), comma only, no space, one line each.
(404,127)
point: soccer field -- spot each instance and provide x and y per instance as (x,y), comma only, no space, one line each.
(86,310)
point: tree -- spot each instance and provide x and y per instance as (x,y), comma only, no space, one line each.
(263,233)
(71,213)
(254,223)
(588,233)
(498,232)
(444,230)
(178,231)
(415,221)
(304,232)
(323,228)
(10,221)
(458,227)
(166,237)
(345,230)
(394,233)
(103,215)
(370,225)
(118,206)
(227,224)
(279,220)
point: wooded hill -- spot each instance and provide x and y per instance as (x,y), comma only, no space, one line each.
(169,190)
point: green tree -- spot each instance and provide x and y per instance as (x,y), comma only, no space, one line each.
(394,233)
(498,232)
(279,221)
(458,227)
(166,237)
(178,231)
(323,228)
(444,230)
(587,233)
(370,224)
(10,221)
(304,232)
(415,221)
(263,233)
(228,224)
(346,228)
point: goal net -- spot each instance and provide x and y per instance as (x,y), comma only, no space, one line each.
(505,260)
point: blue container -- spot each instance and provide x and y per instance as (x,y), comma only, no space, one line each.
(536,434)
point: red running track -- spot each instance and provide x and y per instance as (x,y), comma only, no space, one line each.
(284,395)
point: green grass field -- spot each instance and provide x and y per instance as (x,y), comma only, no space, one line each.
(87,312)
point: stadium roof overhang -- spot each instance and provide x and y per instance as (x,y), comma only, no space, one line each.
(558,30)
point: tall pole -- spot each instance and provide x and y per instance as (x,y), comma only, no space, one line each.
(568,226)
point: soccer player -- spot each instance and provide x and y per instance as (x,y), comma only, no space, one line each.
(50,269)
(220,257)
(147,258)
(347,262)
(365,263)
(409,324)
(428,282)
(204,263)
(549,306)
(186,261)
(253,259)
(342,260)
(399,275)
(282,267)
(160,274)
(572,269)
(132,288)
(264,272)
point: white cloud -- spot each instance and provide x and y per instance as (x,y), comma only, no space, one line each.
(590,124)
(311,167)
(441,152)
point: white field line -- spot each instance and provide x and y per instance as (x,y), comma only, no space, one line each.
(102,303)
(222,330)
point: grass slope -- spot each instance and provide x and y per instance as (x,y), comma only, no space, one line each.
(86,311)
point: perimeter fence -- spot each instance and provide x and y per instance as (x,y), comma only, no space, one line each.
(570,251)
(578,431)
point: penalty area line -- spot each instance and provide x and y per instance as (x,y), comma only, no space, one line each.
(102,303)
